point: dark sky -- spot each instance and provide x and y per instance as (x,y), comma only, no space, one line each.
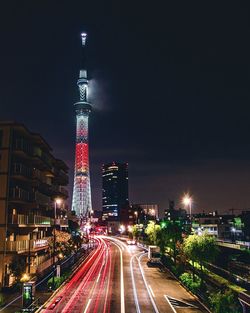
(169,84)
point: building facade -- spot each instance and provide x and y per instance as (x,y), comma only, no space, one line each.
(115,201)
(142,213)
(31,178)
(81,201)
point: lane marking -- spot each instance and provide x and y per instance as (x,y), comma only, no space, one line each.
(170,304)
(151,291)
(179,303)
(87,306)
(133,284)
(145,283)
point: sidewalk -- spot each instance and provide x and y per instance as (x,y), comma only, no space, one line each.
(164,287)
(41,293)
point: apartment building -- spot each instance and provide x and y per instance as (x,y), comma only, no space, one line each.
(31,178)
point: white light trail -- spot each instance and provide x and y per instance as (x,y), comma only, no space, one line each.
(98,277)
(87,306)
(146,285)
(119,242)
(133,283)
(122,277)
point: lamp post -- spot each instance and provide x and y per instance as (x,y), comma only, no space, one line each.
(153,213)
(136,217)
(58,201)
(187,201)
(233,230)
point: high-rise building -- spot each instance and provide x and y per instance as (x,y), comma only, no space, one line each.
(81,201)
(115,192)
(30,180)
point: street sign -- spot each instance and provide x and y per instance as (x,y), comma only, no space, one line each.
(58,271)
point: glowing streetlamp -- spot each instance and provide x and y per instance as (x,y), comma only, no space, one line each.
(57,202)
(233,230)
(187,201)
(122,229)
(136,217)
(25,277)
(153,212)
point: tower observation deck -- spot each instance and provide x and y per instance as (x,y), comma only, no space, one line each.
(81,201)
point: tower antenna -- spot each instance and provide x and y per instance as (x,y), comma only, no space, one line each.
(84,37)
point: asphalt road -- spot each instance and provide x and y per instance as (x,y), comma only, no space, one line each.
(90,289)
(116,279)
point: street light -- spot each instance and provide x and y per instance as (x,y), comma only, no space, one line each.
(233,230)
(187,201)
(129,228)
(136,219)
(25,277)
(122,229)
(153,213)
(58,201)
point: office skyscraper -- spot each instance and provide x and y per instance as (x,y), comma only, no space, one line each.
(114,191)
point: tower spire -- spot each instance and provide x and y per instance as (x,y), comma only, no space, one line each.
(83,77)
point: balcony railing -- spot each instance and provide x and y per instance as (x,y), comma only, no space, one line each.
(19,194)
(24,245)
(19,169)
(36,220)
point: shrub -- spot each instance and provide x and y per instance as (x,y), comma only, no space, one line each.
(2,300)
(226,302)
(177,269)
(187,280)
(58,282)
(167,261)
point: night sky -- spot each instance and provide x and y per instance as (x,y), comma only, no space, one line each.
(169,85)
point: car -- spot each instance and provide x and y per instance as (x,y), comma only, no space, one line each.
(154,262)
(131,242)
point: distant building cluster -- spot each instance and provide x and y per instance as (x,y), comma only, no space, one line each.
(225,227)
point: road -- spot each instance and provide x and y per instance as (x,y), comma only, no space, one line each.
(115,278)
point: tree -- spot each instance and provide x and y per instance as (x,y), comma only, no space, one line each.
(151,231)
(17,266)
(74,227)
(77,241)
(135,231)
(63,244)
(200,249)
(225,302)
(161,240)
(173,237)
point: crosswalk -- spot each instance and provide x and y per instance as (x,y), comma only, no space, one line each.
(176,303)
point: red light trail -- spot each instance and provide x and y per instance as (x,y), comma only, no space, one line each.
(89,289)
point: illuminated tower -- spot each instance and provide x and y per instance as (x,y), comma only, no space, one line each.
(81,202)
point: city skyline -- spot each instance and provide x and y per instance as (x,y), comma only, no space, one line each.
(171,98)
